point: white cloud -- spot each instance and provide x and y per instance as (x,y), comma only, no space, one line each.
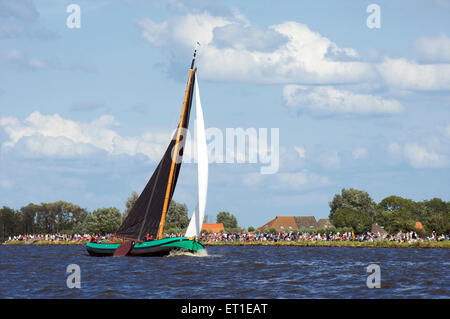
(326,100)
(19,58)
(291,53)
(152,31)
(231,50)
(182,30)
(330,160)
(52,135)
(306,57)
(433,49)
(359,153)
(37,64)
(300,151)
(404,74)
(241,37)
(293,180)
(300,180)
(417,156)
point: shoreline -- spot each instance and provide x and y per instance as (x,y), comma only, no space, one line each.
(352,244)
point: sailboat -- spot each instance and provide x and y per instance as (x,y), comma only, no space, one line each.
(147,217)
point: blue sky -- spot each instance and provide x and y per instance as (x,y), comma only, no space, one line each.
(85,112)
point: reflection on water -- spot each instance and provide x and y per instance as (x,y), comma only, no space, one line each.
(227,272)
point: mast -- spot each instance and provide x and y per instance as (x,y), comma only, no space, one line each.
(170,188)
(148,214)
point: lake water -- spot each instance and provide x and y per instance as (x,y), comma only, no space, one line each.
(227,272)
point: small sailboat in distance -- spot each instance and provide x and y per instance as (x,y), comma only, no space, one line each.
(147,217)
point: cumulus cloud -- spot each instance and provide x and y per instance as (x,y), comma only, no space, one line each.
(405,74)
(417,156)
(52,135)
(433,49)
(241,37)
(327,100)
(232,49)
(183,30)
(303,58)
(420,157)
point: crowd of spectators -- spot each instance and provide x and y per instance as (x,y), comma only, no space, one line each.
(52,237)
(400,237)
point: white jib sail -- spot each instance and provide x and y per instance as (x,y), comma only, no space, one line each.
(195,225)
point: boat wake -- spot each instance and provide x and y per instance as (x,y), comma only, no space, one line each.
(198,253)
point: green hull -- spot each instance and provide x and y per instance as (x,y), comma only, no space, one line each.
(149,248)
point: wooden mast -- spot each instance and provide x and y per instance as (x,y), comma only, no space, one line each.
(175,152)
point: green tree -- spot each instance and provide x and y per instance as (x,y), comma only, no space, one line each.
(354,199)
(177,218)
(396,213)
(401,220)
(228,220)
(29,214)
(56,217)
(130,202)
(359,221)
(436,216)
(103,221)
(10,222)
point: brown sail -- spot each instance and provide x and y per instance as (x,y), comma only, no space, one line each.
(148,213)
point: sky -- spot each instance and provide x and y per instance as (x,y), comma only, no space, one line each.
(351,97)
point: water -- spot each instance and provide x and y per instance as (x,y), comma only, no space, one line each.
(227,272)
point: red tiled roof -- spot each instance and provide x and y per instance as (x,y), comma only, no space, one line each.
(280,223)
(213,228)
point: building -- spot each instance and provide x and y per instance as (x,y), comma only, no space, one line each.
(324,223)
(288,223)
(377,229)
(304,222)
(280,223)
(213,228)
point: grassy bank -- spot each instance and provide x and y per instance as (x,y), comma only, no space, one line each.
(376,244)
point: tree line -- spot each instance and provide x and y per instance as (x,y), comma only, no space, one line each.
(67,218)
(352,209)
(356,209)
